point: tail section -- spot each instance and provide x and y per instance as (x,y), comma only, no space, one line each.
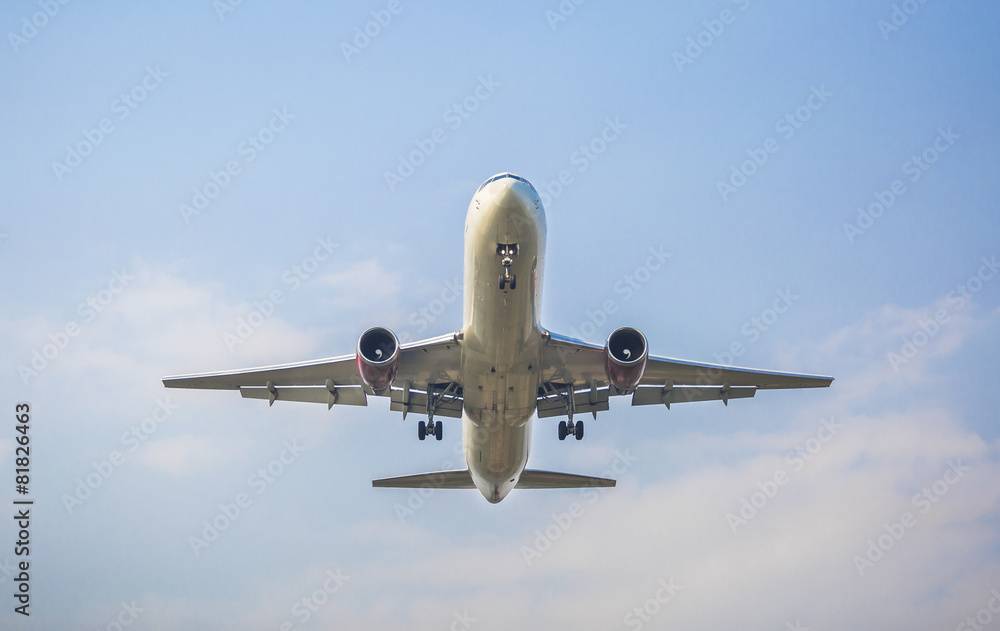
(462,479)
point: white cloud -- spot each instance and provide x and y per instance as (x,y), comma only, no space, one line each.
(792,560)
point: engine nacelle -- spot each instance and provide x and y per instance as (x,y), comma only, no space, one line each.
(625,355)
(378,358)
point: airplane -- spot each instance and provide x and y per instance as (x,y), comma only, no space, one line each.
(503,368)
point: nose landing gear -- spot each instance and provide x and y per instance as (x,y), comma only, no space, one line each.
(507,252)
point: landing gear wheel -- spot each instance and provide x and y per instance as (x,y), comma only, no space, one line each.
(421,430)
(562,430)
(513,281)
(578,430)
(438,432)
(502,281)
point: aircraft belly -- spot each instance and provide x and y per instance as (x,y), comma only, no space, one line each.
(501,347)
(501,343)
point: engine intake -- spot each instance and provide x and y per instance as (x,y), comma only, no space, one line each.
(625,355)
(378,358)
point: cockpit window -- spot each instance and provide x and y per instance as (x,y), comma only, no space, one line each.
(502,176)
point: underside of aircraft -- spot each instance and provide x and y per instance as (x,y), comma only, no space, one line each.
(503,369)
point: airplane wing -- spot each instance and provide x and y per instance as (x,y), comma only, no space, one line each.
(428,370)
(573,376)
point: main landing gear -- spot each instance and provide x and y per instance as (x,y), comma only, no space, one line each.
(568,427)
(433,428)
(507,252)
(571,428)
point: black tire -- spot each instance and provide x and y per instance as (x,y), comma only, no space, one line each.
(438,431)
(513,281)
(579,430)
(562,430)
(501,281)
(421,430)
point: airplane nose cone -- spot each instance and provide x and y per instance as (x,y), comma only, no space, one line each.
(509,194)
(505,193)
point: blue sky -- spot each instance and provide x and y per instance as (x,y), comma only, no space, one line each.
(647,112)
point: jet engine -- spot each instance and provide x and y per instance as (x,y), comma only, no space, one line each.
(625,355)
(378,358)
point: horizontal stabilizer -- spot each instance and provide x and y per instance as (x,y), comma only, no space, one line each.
(462,479)
(454,479)
(533,479)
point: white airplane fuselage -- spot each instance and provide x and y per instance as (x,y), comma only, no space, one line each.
(502,337)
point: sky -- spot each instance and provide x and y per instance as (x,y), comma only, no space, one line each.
(213,185)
